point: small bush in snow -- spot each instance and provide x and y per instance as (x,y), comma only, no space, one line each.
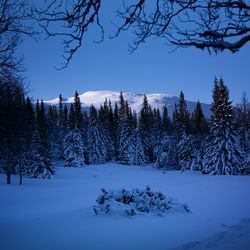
(135,202)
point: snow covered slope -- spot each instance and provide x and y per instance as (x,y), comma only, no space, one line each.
(135,100)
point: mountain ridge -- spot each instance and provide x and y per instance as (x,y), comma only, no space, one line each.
(156,100)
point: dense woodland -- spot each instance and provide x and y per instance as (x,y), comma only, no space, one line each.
(34,136)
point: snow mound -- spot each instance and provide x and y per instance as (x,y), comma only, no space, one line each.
(135,202)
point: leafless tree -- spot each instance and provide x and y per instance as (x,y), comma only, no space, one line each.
(215,25)
(15,22)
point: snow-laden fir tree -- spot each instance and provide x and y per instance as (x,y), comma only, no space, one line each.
(40,157)
(223,152)
(157,134)
(40,165)
(126,137)
(96,144)
(77,111)
(198,122)
(185,152)
(242,116)
(139,156)
(73,149)
(145,129)
(106,120)
(199,131)
(166,122)
(57,127)
(181,116)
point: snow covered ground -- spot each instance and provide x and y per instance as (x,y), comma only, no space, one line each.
(57,213)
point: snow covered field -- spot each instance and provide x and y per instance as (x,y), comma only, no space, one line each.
(58,214)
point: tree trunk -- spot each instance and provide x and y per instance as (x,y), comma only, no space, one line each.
(8,176)
(8,172)
(21,177)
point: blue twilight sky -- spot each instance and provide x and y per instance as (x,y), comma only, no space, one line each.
(151,69)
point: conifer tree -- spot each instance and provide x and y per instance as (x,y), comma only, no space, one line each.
(223,152)
(41,159)
(85,122)
(12,125)
(115,130)
(157,134)
(106,120)
(29,131)
(243,123)
(166,122)
(72,120)
(61,115)
(127,139)
(185,152)
(198,121)
(78,112)
(73,149)
(145,129)
(139,156)
(95,139)
(181,115)
(65,116)
(181,127)
(40,166)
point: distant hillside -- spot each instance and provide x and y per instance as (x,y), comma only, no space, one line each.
(135,101)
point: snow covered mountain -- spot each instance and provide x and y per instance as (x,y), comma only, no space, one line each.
(135,101)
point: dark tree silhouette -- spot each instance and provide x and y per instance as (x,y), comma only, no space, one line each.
(15,22)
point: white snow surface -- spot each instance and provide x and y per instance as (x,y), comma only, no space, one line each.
(135,101)
(58,213)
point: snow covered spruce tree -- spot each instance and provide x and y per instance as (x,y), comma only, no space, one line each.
(185,152)
(126,134)
(242,117)
(57,129)
(40,163)
(96,144)
(157,134)
(180,131)
(199,132)
(78,112)
(166,122)
(223,152)
(139,156)
(73,149)
(145,129)
(40,158)
(106,122)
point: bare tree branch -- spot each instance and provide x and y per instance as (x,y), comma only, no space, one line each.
(75,17)
(216,25)
(14,16)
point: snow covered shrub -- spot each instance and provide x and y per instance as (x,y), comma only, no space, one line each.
(135,202)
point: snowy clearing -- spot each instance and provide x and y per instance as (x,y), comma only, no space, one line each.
(58,213)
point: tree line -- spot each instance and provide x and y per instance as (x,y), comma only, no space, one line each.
(33,136)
